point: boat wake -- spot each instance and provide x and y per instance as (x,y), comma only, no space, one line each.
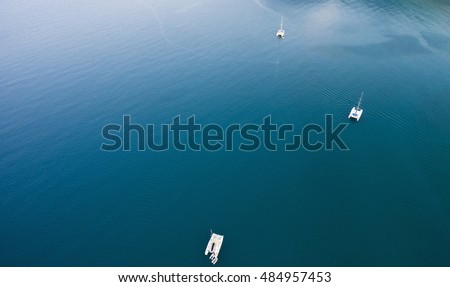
(260,5)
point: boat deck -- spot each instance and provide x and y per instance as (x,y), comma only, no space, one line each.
(213,247)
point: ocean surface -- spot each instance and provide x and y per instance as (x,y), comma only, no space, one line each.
(67,68)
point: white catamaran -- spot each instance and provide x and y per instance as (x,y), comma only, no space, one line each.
(356,111)
(280,32)
(213,247)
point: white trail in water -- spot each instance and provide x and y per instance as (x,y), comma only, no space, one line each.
(163,33)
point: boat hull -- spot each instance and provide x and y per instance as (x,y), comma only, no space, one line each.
(280,33)
(214,246)
(355,114)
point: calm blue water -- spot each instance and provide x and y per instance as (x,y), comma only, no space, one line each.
(67,68)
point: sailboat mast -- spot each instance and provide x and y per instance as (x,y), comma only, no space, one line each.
(281,26)
(360,98)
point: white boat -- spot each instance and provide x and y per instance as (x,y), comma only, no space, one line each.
(356,112)
(213,247)
(280,32)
